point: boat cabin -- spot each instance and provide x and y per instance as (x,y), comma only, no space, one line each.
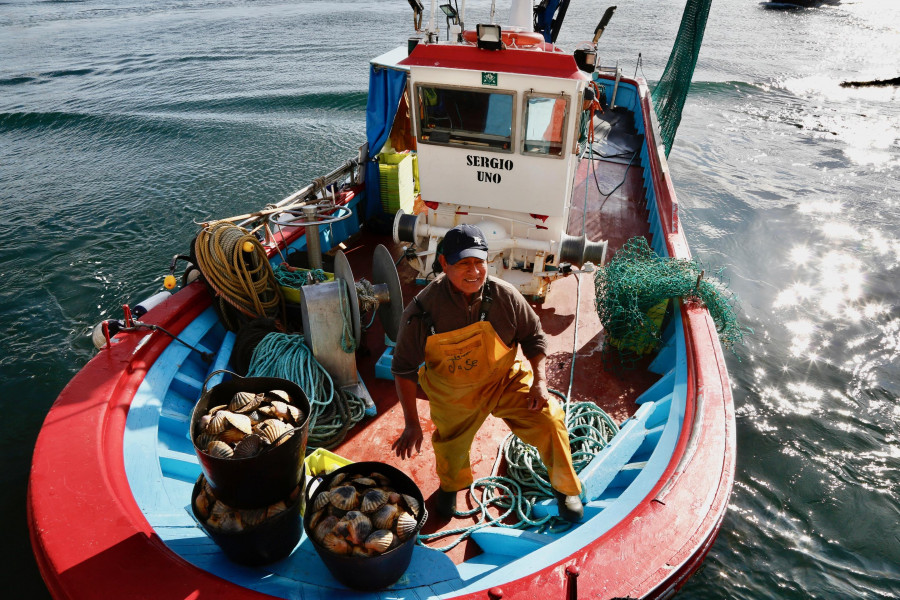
(497,143)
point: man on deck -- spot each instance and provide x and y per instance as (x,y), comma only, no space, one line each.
(466,328)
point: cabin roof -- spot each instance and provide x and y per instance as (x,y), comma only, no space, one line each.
(510,60)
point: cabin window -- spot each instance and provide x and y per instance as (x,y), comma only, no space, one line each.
(546,116)
(455,116)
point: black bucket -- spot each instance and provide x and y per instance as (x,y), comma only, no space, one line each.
(373,572)
(271,540)
(272,474)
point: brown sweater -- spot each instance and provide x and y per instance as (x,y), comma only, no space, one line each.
(510,315)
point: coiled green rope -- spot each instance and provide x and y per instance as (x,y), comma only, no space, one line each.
(299,277)
(333,410)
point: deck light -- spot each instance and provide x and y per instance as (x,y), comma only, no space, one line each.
(489,37)
(452,15)
(449,11)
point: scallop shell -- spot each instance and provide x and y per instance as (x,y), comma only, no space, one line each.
(219,449)
(379,540)
(315,519)
(373,499)
(383,518)
(324,527)
(381,479)
(279,395)
(216,409)
(321,500)
(223,517)
(336,544)
(359,526)
(280,409)
(253,516)
(203,439)
(344,497)
(273,429)
(361,552)
(231,522)
(244,402)
(231,436)
(296,414)
(365,482)
(217,423)
(204,421)
(406,524)
(338,480)
(237,421)
(249,446)
(342,528)
(412,504)
(201,504)
(393,497)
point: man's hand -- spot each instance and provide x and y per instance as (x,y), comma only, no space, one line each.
(410,438)
(538,395)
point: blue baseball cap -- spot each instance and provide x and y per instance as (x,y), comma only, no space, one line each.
(464,241)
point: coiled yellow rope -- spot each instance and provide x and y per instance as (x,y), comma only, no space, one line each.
(234,263)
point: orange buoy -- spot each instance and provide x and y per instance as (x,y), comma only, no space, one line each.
(520,39)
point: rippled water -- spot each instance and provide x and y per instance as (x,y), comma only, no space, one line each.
(122,123)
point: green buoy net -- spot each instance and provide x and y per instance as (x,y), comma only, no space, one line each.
(671,91)
(633,292)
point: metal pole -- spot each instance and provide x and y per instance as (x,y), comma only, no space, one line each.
(313,248)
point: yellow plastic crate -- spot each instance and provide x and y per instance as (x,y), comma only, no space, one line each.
(398,188)
(292,295)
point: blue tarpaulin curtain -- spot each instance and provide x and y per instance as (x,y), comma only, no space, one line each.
(386,87)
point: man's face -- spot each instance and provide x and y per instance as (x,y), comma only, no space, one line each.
(467,275)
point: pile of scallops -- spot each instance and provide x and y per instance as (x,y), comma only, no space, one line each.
(247,424)
(223,518)
(362,515)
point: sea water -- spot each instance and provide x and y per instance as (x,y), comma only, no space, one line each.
(125,123)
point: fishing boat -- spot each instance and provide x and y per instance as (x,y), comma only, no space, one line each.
(480,125)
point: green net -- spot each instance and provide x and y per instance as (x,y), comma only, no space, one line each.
(633,292)
(671,92)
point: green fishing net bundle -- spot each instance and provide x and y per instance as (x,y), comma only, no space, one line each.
(633,292)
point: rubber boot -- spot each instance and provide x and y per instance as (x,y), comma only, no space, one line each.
(446,503)
(570,507)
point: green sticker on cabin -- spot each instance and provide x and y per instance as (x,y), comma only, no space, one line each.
(489,79)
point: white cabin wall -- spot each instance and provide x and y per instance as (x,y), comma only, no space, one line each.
(535,184)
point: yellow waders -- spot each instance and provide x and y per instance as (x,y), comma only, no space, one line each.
(469,374)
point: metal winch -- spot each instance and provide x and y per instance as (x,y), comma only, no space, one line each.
(324,326)
(516,253)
